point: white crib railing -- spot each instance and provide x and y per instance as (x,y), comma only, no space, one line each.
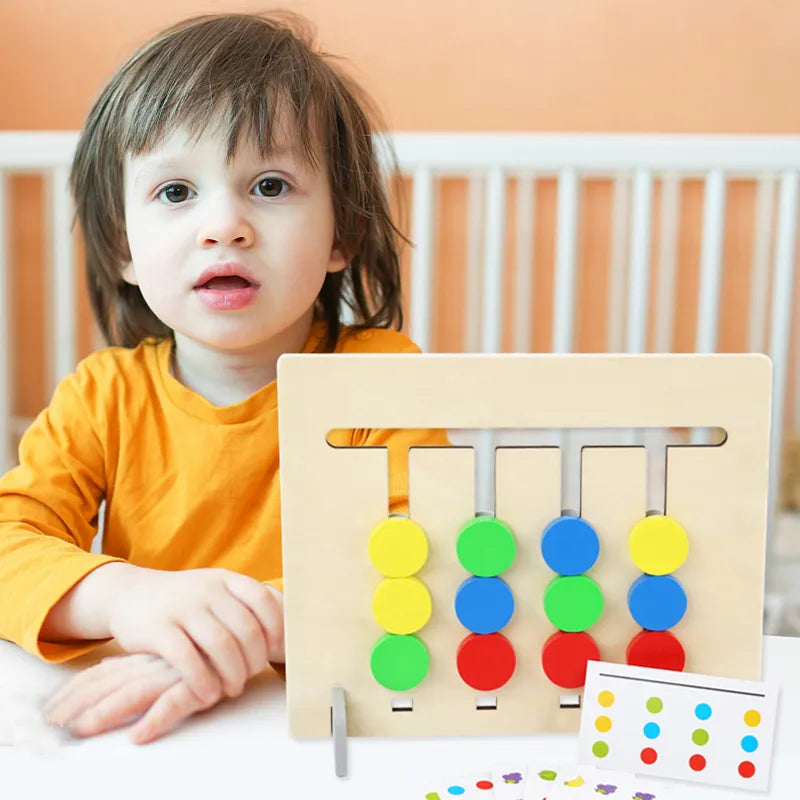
(490,162)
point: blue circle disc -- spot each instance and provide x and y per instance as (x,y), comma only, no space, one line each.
(484,605)
(657,602)
(570,545)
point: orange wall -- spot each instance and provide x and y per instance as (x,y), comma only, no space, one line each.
(574,65)
(580,65)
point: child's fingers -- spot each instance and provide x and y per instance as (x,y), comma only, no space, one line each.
(221,649)
(245,628)
(175,646)
(90,685)
(174,705)
(128,701)
(266,604)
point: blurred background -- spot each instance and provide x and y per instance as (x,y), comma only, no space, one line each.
(666,67)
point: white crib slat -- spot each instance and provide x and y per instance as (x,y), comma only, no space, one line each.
(711,261)
(759,267)
(710,272)
(667,260)
(781,320)
(493,260)
(524,250)
(63,350)
(6,337)
(566,251)
(639,271)
(618,264)
(475,238)
(422,257)
(795,421)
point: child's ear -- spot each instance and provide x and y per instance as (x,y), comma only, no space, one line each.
(338,260)
(128,274)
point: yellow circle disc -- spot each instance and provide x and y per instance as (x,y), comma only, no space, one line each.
(398,547)
(605,698)
(401,605)
(603,724)
(752,718)
(658,545)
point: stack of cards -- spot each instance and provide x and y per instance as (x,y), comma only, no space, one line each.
(541,781)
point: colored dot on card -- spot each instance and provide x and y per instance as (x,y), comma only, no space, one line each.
(484,785)
(649,756)
(455,790)
(603,724)
(654,705)
(752,718)
(747,769)
(600,749)
(606,699)
(749,744)
(700,737)
(651,730)
(702,711)
(697,763)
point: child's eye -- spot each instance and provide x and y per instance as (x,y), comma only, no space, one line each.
(271,187)
(174,193)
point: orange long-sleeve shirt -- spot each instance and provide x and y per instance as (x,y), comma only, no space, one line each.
(187,484)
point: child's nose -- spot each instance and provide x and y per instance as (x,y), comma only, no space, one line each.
(226,223)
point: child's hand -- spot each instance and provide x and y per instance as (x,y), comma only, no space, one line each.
(113,692)
(216,627)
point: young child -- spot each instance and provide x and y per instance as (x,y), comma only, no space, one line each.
(231,204)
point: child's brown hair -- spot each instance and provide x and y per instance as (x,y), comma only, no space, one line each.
(242,69)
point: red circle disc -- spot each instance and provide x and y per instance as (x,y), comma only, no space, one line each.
(649,756)
(747,769)
(485,785)
(485,661)
(656,649)
(564,658)
(697,763)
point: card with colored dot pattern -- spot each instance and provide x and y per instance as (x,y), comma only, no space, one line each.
(463,787)
(678,725)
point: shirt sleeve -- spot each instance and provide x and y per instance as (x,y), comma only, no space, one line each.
(49,508)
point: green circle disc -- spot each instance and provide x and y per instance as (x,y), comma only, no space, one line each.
(573,603)
(486,547)
(399,662)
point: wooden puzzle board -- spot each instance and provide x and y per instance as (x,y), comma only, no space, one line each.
(333,497)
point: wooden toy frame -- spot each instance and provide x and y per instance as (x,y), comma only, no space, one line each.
(333,497)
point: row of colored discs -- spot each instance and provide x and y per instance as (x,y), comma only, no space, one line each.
(573,601)
(401,605)
(484,603)
(658,546)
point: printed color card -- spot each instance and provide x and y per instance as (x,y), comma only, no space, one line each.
(509,780)
(678,725)
(553,782)
(464,787)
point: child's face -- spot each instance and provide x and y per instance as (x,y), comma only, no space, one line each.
(268,223)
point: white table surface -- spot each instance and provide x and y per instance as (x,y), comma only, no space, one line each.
(241,748)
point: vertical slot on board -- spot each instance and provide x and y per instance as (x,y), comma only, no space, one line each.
(402,704)
(486,702)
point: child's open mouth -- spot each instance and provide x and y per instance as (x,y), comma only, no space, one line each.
(226,292)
